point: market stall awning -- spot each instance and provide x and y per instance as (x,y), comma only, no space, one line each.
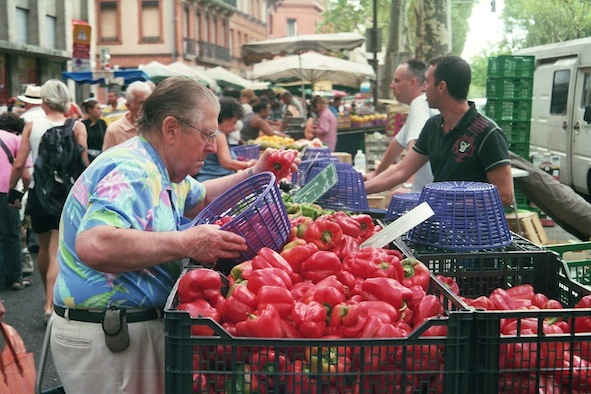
(107,77)
(192,72)
(228,78)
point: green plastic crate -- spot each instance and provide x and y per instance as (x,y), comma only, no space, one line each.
(511,66)
(217,362)
(509,88)
(580,269)
(519,148)
(510,110)
(496,358)
(516,131)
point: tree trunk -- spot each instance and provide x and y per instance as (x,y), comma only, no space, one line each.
(433,36)
(397,48)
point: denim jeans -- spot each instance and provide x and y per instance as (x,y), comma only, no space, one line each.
(10,241)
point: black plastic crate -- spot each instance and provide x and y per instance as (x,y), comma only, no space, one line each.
(509,88)
(416,363)
(521,363)
(508,110)
(511,66)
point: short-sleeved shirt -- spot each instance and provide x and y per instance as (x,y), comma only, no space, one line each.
(418,114)
(126,187)
(474,147)
(326,129)
(119,131)
(12,142)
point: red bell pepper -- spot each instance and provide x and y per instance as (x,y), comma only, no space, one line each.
(348,321)
(373,262)
(261,324)
(268,258)
(415,273)
(309,319)
(270,366)
(292,244)
(329,296)
(280,162)
(520,355)
(330,281)
(576,368)
(320,265)
(351,282)
(200,308)
(350,226)
(450,283)
(240,272)
(366,223)
(430,306)
(289,329)
(268,277)
(347,246)
(381,309)
(417,296)
(482,302)
(300,288)
(299,378)
(324,234)
(278,296)
(524,291)
(501,300)
(298,254)
(200,283)
(386,289)
(238,305)
(298,228)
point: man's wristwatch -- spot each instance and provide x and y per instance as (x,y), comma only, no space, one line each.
(407,185)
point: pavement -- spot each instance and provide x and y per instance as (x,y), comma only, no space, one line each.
(24,309)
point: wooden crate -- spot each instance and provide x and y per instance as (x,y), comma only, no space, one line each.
(531,227)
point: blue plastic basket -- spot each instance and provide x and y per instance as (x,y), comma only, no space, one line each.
(401,204)
(311,153)
(348,194)
(258,214)
(468,216)
(246,152)
(299,177)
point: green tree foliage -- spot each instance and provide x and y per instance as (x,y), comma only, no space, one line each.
(530,23)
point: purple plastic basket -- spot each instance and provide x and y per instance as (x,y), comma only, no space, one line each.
(400,204)
(246,152)
(348,194)
(468,216)
(311,153)
(258,214)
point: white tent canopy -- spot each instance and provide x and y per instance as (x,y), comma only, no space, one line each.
(157,71)
(227,78)
(192,72)
(313,67)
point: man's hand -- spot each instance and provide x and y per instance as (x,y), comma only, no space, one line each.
(209,244)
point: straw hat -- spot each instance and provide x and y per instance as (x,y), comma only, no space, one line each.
(32,95)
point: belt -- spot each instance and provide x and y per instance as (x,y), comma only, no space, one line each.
(97,317)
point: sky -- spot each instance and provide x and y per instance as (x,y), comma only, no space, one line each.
(485,28)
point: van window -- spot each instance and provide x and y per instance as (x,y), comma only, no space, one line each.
(559,92)
(586,100)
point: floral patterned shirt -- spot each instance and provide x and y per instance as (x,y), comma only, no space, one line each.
(126,187)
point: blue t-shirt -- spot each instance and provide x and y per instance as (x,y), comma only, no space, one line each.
(126,187)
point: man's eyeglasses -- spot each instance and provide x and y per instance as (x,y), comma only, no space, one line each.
(208,137)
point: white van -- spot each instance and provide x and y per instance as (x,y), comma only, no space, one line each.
(561,109)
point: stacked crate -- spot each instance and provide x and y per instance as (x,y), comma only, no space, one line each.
(509,88)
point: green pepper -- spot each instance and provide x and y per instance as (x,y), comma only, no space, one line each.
(245,382)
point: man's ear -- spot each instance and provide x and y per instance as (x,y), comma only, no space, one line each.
(170,128)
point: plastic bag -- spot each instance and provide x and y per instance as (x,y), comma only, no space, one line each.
(17,367)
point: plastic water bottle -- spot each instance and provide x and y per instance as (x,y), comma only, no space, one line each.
(360,163)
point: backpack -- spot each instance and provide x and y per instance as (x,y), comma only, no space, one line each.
(58,166)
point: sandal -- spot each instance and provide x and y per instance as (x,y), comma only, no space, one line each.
(27,281)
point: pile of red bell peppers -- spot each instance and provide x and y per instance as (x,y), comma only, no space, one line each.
(565,365)
(323,286)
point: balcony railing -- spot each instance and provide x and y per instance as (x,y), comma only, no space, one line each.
(190,47)
(214,53)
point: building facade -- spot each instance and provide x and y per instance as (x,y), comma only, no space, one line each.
(35,41)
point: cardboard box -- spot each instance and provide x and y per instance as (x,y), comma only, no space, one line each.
(529,226)
(343,157)
(376,201)
(343,122)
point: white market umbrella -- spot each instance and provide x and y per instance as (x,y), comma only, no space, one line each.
(314,67)
(227,78)
(258,51)
(192,72)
